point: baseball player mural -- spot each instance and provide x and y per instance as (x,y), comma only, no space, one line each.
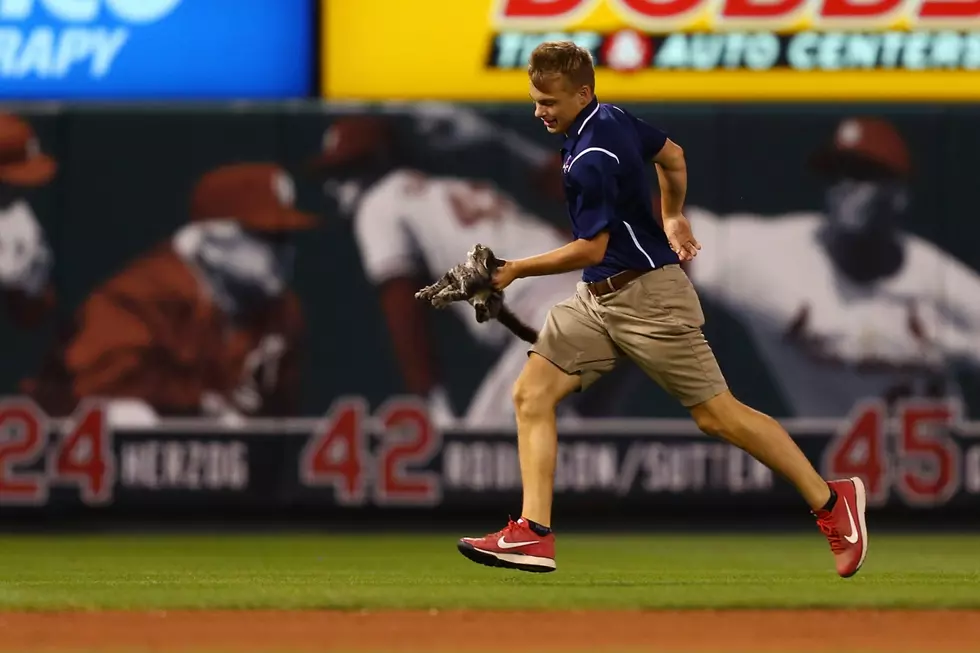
(843,305)
(204,324)
(408,223)
(25,258)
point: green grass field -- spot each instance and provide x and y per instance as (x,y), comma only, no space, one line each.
(378,571)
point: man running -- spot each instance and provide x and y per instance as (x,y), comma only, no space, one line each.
(634,300)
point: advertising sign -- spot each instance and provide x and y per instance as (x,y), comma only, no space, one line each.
(355,461)
(660,49)
(154,49)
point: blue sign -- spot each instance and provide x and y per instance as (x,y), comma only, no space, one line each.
(156,49)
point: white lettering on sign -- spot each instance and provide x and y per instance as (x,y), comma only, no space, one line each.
(887,50)
(514,48)
(601,467)
(698,467)
(167,465)
(972,471)
(50,55)
(760,51)
(735,50)
(53,51)
(481,466)
(582,467)
(86,11)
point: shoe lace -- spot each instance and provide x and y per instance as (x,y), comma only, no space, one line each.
(508,529)
(826,526)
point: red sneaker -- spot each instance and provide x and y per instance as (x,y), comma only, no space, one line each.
(516,546)
(844,526)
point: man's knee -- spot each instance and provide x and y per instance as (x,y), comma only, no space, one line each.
(720,415)
(540,387)
(532,399)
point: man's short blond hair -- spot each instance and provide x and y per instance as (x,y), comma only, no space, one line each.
(561,59)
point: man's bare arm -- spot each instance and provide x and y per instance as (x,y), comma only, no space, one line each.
(576,255)
(672,174)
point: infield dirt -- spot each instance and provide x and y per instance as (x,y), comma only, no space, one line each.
(866,631)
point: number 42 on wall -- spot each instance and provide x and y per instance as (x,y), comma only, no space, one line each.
(339,454)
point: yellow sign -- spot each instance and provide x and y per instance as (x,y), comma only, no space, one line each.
(657,49)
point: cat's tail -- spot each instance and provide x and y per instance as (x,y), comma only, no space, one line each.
(514,324)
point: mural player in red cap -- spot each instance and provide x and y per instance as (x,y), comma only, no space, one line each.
(204,324)
(25,258)
(844,305)
(408,223)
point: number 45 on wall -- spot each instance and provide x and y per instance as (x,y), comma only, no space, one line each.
(912,454)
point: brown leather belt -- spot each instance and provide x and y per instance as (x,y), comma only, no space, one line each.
(614,283)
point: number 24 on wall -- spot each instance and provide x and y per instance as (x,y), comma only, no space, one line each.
(81,457)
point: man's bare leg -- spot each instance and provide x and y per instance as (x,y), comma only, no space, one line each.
(537,393)
(529,544)
(840,513)
(763,438)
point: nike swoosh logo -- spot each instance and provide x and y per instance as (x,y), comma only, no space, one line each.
(504,544)
(853,537)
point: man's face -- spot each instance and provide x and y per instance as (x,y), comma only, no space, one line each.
(557,103)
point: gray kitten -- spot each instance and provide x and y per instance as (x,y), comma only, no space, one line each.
(472,281)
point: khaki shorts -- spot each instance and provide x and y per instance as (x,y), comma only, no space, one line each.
(655,320)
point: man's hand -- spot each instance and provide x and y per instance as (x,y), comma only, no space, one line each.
(680,236)
(505,275)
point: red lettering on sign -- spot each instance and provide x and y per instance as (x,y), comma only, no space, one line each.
(23,435)
(856,9)
(668,9)
(638,11)
(930,458)
(950,9)
(408,440)
(859,450)
(539,8)
(336,457)
(757,9)
(84,457)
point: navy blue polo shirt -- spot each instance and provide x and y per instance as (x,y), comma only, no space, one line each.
(607,187)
